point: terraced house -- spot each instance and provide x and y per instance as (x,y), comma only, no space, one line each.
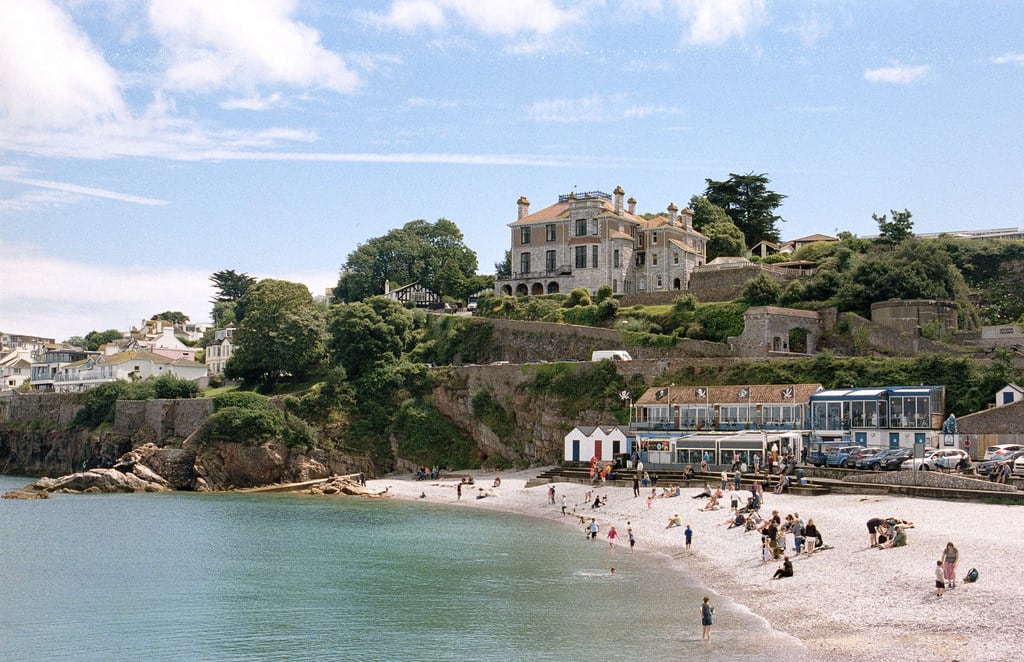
(586,240)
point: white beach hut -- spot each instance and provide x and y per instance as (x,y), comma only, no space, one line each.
(601,441)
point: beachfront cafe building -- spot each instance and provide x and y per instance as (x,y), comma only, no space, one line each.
(680,425)
(885,416)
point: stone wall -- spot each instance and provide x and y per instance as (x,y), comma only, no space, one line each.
(725,282)
(911,315)
(893,342)
(160,421)
(766,332)
(519,341)
(48,408)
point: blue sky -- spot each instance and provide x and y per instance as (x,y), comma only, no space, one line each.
(145,145)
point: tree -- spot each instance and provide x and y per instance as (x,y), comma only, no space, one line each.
(231,286)
(368,333)
(172,316)
(94,339)
(724,238)
(761,290)
(749,203)
(895,231)
(283,333)
(432,254)
(503,269)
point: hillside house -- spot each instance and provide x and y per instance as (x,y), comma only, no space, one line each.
(586,240)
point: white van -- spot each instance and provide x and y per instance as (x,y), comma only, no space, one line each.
(611,354)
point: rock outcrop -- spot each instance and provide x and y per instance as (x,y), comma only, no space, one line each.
(344,486)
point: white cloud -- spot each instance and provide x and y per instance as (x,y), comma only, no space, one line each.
(809,29)
(244,44)
(595,108)
(897,73)
(50,72)
(1009,58)
(256,102)
(713,22)
(508,18)
(59,298)
(15,175)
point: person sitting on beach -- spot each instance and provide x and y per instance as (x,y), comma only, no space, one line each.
(898,540)
(705,493)
(783,484)
(785,570)
(734,521)
(674,521)
(497,481)
(646,480)
(688,474)
(712,503)
(420,474)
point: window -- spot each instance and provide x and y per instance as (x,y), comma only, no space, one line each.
(654,237)
(615,285)
(581,257)
(675,258)
(581,227)
(593,226)
(524,235)
(549,261)
(524,263)
(615,258)
(654,259)
(593,257)
(659,281)
(550,230)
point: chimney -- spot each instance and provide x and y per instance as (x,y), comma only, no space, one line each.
(387,287)
(618,192)
(687,218)
(672,209)
(524,206)
(632,205)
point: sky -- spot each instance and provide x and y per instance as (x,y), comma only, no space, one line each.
(146,144)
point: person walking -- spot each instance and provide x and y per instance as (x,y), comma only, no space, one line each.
(612,535)
(563,504)
(632,539)
(688,533)
(593,528)
(940,579)
(706,612)
(950,557)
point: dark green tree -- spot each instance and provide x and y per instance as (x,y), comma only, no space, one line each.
(724,237)
(761,290)
(892,232)
(369,333)
(432,254)
(94,339)
(749,203)
(283,333)
(231,286)
(503,269)
(172,316)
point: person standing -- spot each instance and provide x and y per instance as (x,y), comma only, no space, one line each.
(688,534)
(636,486)
(458,492)
(551,494)
(593,528)
(940,579)
(632,539)
(563,504)
(706,612)
(811,536)
(612,535)
(950,557)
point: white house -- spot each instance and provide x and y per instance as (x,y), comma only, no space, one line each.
(1009,394)
(603,442)
(131,366)
(220,350)
(15,369)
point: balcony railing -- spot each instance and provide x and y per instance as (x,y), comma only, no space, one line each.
(563,270)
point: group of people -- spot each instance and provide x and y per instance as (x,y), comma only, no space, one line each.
(888,532)
(433,473)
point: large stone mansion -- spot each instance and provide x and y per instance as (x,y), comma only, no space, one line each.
(586,240)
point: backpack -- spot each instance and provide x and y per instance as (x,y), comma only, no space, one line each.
(971,576)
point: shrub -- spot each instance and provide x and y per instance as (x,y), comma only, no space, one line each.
(98,404)
(241,400)
(603,293)
(250,426)
(578,297)
(171,387)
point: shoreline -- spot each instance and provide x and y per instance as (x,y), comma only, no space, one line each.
(849,602)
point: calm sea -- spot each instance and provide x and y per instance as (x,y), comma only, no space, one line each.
(287,577)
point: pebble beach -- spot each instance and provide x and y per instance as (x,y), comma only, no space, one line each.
(850,602)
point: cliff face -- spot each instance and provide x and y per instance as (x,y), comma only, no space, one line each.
(39,452)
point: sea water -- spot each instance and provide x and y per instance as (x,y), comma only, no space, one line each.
(186,576)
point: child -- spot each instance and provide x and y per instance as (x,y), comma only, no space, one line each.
(689,535)
(632,540)
(766,550)
(650,502)
(940,579)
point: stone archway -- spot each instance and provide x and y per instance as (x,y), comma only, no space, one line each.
(537,289)
(798,340)
(676,284)
(553,288)
(506,290)
(521,290)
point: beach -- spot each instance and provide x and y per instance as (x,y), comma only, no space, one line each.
(852,601)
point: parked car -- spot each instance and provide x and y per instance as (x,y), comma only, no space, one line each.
(985,467)
(992,450)
(927,463)
(889,459)
(864,454)
(840,456)
(1018,466)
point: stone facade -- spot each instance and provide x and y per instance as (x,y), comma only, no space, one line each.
(592,239)
(772,331)
(911,315)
